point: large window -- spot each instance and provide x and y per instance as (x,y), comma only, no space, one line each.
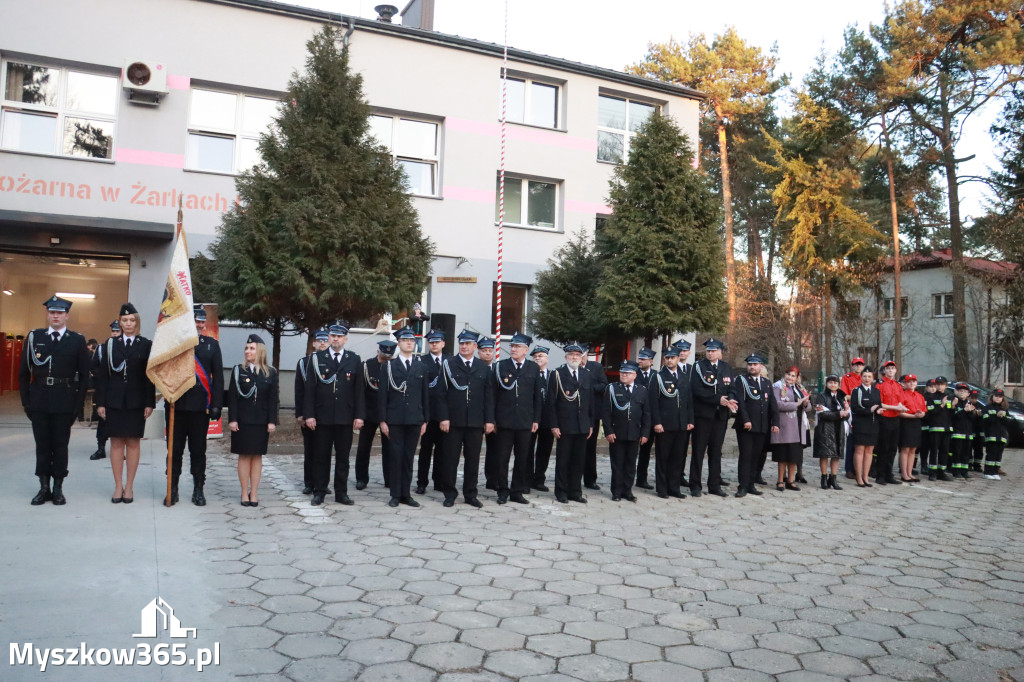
(413,144)
(532,102)
(514,299)
(618,121)
(889,308)
(1014,372)
(528,203)
(848,310)
(942,305)
(51,110)
(224,130)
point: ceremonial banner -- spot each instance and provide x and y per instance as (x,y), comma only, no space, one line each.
(172,364)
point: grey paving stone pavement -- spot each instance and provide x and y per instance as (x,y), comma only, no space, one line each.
(905,582)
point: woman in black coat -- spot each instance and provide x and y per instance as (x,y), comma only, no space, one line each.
(253,400)
(830,431)
(125,397)
(864,402)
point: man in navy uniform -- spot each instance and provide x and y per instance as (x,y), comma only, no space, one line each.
(570,407)
(685,370)
(627,425)
(53,378)
(468,401)
(403,405)
(335,403)
(712,406)
(432,441)
(518,405)
(371,384)
(319,343)
(600,383)
(672,420)
(194,411)
(101,424)
(645,372)
(542,439)
(757,416)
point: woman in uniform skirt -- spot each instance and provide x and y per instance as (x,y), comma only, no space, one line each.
(126,398)
(911,423)
(788,443)
(864,402)
(253,394)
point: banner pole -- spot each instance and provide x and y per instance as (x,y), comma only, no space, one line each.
(170,449)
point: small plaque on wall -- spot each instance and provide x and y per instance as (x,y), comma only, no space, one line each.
(456,280)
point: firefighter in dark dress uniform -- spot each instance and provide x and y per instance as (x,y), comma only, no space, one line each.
(645,372)
(403,405)
(101,424)
(712,407)
(542,439)
(319,343)
(570,407)
(518,405)
(672,420)
(685,369)
(626,411)
(371,384)
(600,382)
(757,416)
(433,440)
(194,411)
(53,378)
(335,402)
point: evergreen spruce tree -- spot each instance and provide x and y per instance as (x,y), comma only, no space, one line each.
(565,307)
(663,269)
(325,229)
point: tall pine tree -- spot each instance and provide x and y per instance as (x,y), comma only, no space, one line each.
(325,229)
(566,308)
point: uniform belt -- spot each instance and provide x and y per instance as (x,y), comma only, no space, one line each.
(54,381)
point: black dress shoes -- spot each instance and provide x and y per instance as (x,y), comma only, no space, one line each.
(760,481)
(393,502)
(449,503)
(409,502)
(578,498)
(741,492)
(421,490)
(695,492)
(99,454)
(719,492)
(644,485)
(663,496)
(562,499)
(318,499)
(475,503)
(616,498)
(591,486)
(631,498)
(308,490)
(502,498)
(518,498)
(678,496)
(344,499)
(360,485)
(541,488)
(754,491)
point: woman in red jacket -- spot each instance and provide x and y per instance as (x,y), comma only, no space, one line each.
(910,426)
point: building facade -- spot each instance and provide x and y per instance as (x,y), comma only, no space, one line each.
(92,165)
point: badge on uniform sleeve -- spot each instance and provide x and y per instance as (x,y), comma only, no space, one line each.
(726,380)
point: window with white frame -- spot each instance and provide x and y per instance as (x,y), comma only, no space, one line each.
(59,111)
(224,130)
(618,120)
(528,203)
(942,305)
(889,308)
(1014,372)
(514,307)
(414,145)
(532,102)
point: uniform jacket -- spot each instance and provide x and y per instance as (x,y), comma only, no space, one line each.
(829,429)
(437,388)
(300,386)
(468,392)
(570,404)
(253,397)
(600,383)
(371,385)
(121,381)
(626,414)
(543,376)
(403,398)
(962,420)
(709,384)
(674,411)
(996,427)
(940,411)
(861,401)
(208,393)
(65,362)
(645,381)
(757,403)
(518,395)
(334,390)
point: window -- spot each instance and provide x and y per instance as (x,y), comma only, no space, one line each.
(224,130)
(528,203)
(618,120)
(413,144)
(942,305)
(889,303)
(532,102)
(1014,371)
(52,110)
(513,308)
(849,310)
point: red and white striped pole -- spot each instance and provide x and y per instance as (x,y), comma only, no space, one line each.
(501,189)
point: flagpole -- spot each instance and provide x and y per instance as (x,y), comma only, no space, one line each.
(170,421)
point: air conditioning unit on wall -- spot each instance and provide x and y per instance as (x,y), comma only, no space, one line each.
(145,81)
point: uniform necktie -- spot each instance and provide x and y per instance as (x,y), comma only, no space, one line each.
(408,365)
(574,377)
(437,361)
(128,344)
(629,388)
(337,357)
(56,336)
(469,365)
(518,366)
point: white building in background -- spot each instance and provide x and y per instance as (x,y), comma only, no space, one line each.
(94,156)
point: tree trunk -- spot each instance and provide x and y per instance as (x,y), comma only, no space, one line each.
(730,265)
(771,256)
(275,334)
(897,280)
(826,316)
(961,351)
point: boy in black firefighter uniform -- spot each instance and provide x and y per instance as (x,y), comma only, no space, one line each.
(626,416)
(518,403)
(997,421)
(978,441)
(757,416)
(194,411)
(371,384)
(962,421)
(940,411)
(335,403)
(53,378)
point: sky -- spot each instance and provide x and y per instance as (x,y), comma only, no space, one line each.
(615,33)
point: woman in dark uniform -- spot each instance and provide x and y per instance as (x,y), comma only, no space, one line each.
(864,402)
(126,398)
(253,397)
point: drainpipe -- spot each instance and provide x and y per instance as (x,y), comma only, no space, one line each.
(346,21)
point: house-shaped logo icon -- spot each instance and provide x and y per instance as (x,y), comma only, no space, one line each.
(151,622)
